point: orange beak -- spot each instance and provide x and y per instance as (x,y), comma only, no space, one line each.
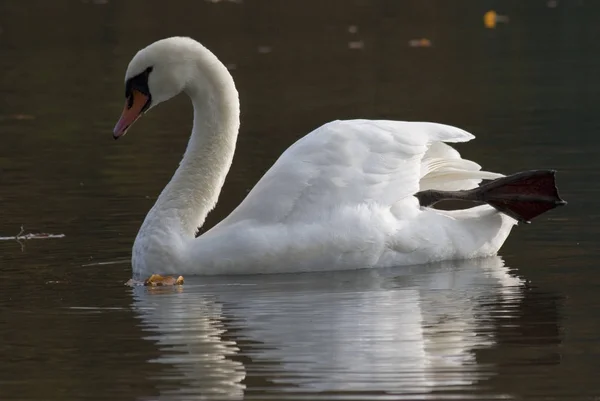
(133,109)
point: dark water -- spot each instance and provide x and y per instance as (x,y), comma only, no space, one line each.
(522,326)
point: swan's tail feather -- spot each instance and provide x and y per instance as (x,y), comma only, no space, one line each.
(452,174)
(522,196)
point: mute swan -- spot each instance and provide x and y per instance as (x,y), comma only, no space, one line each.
(345,196)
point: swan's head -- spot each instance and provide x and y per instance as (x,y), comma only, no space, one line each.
(155,74)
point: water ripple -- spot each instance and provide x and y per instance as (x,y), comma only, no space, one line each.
(408,332)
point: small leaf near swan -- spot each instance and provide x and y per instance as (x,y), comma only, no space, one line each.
(156,280)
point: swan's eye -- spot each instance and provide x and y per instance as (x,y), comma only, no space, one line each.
(140,84)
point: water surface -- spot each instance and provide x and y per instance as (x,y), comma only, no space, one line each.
(521,326)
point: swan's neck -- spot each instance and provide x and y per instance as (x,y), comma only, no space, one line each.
(194,189)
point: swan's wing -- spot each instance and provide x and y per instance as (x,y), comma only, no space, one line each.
(354,163)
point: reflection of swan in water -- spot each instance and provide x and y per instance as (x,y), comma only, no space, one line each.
(398,330)
(189,328)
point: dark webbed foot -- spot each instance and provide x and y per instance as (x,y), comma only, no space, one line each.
(522,196)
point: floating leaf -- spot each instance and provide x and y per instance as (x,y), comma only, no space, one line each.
(422,42)
(156,280)
(491,18)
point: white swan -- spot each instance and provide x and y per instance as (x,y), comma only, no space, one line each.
(342,197)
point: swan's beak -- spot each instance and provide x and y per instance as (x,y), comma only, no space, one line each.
(134,106)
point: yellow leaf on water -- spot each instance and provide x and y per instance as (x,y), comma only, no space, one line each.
(490,19)
(156,280)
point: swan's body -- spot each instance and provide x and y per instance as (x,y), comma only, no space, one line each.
(339,198)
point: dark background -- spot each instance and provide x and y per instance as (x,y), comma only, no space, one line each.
(528,90)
